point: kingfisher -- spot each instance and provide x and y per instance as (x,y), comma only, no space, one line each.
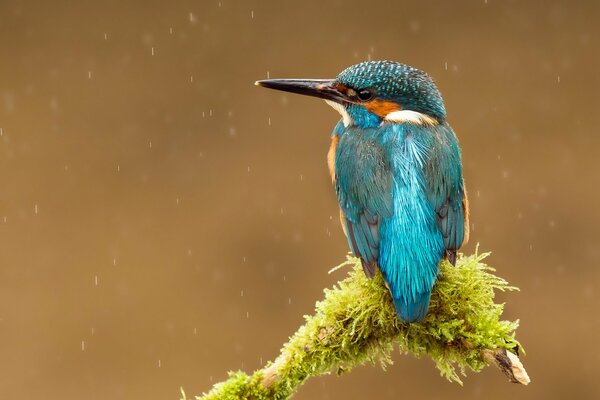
(396,166)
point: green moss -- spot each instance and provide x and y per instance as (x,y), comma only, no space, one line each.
(240,386)
(356,323)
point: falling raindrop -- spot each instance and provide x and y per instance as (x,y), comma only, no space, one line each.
(170,30)
(159,363)
(152,50)
(95,280)
(35,209)
(242,293)
(415,26)
(192,18)
(106,36)
(558,78)
(83,345)
(269,121)
(252,14)
(89,74)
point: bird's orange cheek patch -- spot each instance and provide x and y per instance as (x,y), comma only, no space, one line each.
(381,108)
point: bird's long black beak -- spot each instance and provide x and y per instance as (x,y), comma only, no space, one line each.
(321,88)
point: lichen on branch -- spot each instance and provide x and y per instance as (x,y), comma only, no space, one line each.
(356,323)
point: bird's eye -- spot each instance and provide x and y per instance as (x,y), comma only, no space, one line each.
(364,95)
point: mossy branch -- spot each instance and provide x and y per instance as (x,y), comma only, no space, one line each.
(356,323)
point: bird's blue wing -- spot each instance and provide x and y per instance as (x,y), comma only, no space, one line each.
(364,187)
(445,190)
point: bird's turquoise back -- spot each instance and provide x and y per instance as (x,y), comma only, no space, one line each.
(400,189)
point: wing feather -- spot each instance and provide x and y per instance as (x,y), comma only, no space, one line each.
(446,190)
(364,188)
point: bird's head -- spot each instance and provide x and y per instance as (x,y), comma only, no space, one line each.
(370,93)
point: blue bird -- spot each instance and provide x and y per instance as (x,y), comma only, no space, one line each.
(396,166)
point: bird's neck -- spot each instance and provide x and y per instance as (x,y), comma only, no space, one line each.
(362,117)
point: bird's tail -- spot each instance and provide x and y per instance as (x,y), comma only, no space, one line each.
(412,309)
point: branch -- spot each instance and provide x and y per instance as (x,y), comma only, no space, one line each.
(356,323)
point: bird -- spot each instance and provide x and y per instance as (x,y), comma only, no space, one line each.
(396,166)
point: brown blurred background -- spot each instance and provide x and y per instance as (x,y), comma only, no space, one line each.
(163,221)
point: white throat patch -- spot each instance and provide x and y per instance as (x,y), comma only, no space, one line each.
(411,117)
(346,118)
